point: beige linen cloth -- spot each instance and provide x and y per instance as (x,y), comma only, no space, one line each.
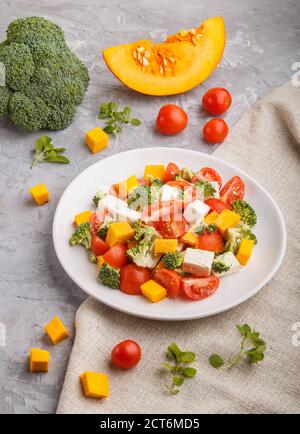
(266,144)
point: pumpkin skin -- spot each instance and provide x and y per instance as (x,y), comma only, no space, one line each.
(175,66)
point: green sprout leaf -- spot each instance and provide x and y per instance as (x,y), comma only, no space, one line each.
(45,152)
(116,119)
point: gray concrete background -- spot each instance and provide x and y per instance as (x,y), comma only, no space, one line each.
(263,43)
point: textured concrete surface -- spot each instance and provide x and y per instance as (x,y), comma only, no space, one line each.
(262,45)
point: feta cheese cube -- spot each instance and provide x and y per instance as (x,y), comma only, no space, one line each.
(229,259)
(168,193)
(112,204)
(195,212)
(127,215)
(198,262)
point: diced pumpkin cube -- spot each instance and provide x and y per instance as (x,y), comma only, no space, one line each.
(190,238)
(40,194)
(126,186)
(39,360)
(100,261)
(56,330)
(245,251)
(95,384)
(83,217)
(162,245)
(210,218)
(96,140)
(156,171)
(153,291)
(119,233)
(227,219)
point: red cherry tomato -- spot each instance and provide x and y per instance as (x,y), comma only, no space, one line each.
(95,222)
(217,205)
(173,228)
(216,101)
(98,246)
(180,183)
(211,241)
(200,287)
(170,280)
(116,256)
(207,174)
(132,277)
(171,119)
(234,189)
(171,171)
(215,130)
(126,354)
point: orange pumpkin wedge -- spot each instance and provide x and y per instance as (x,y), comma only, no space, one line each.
(177,65)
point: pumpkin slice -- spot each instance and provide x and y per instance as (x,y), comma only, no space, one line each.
(177,65)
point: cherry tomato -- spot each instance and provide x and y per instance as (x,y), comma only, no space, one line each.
(217,204)
(207,174)
(179,183)
(171,119)
(200,287)
(216,101)
(116,256)
(211,241)
(126,354)
(173,228)
(96,221)
(234,189)
(215,130)
(170,280)
(171,171)
(132,277)
(98,246)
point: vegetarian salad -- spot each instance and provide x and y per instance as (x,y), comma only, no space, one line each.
(173,233)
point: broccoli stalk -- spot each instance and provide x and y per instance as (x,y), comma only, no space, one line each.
(82,236)
(44,80)
(236,235)
(172,260)
(245,211)
(109,276)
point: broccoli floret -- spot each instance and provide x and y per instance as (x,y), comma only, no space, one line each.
(142,196)
(82,236)
(247,213)
(45,81)
(157,183)
(109,276)
(236,235)
(186,174)
(206,189)
(172,260)
(99,196)
(93,259)
(201,229)
(220,266)
(102,231)
(141,253)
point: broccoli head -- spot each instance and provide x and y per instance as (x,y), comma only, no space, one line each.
(109,276)
(82,236)
(44,80)
(220,266)
(245,211)
(172,260)
(141,253)
(236,235)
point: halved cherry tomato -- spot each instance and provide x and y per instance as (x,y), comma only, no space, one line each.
(215,130)
(234,189)
(171,119)
(216,101)
(200,287)
(170,280)
(207,174)
(126,354)
(211,241)
(98,246)
(132,277)
(95,222)
(116,256)
(173,228)
(171,171)
(180,183)
(217,205)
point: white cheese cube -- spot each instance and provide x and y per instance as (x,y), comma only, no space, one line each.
(198,262)
(127,215)
(111,204)
(229,259)
(168,193)
(196,211)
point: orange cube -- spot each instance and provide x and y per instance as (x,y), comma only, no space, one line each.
(39,360)
(40,194)
(56,330)
(96,140)
(95,384)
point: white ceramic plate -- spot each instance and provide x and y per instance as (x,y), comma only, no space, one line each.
(233,290)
